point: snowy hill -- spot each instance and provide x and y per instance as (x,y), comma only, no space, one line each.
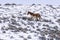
(15,24)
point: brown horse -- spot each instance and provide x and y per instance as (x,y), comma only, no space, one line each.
(36,15)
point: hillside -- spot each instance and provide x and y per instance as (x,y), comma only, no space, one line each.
(15,24)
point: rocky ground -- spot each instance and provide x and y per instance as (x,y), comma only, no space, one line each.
(15,24)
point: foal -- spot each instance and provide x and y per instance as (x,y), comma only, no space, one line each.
(37,15)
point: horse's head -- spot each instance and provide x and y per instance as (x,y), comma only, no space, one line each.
(28,12)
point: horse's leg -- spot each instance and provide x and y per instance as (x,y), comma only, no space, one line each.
(37,18)
(34,18)
(40,19)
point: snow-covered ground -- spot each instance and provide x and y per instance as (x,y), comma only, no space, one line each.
(15,24)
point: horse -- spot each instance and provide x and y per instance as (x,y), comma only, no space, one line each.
(34,15)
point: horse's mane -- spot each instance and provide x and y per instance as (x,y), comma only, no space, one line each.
(30,12)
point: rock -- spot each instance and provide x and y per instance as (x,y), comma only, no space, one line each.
(30,23)
(58,20)
(57,38)
(1,39)
(29,37)
(0,21)
(42,38)
(46,25)
(38,29)
(47,20)
(12,27)
(4,31)
(25,39)
(11,37)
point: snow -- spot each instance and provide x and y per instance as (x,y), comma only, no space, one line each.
(15,24)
